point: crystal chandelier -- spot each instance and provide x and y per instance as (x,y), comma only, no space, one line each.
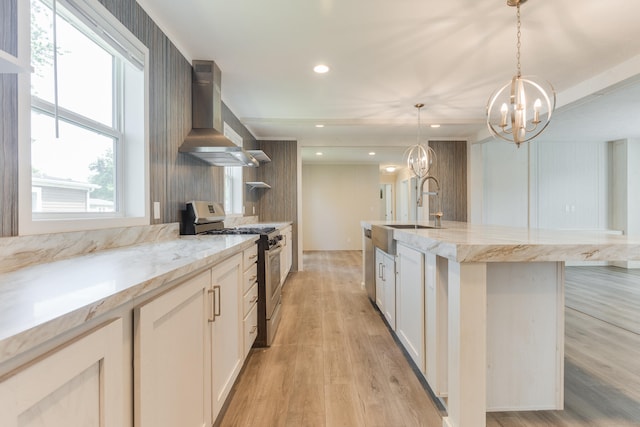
(420,157)
(521,109)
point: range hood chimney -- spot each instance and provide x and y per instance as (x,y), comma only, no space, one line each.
(206,140)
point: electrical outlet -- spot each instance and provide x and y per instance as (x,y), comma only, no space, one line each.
(156,210)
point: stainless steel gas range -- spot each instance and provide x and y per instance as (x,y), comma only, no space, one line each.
(207,218)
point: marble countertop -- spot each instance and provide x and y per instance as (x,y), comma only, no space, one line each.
(42,301)
(465,242)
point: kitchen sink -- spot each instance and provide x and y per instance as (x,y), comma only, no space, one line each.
(382,235)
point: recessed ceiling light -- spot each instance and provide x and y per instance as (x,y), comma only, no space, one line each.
(435,126)
(321,69)
(319,126)
(390,169)
(319,153)
(372,153)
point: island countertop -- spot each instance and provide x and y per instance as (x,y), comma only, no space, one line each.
(465,242)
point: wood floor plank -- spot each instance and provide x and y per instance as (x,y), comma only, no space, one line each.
(611,294)
(342,406)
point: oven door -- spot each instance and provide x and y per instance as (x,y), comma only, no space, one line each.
(272,279)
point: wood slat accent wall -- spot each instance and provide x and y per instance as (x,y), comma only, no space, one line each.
(8,124)
(175,177)
(8,29)
(451,171)
(280,202)
(8,155)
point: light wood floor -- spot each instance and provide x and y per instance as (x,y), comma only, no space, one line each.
(334,362)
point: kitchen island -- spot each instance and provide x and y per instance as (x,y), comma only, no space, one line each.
(492,311)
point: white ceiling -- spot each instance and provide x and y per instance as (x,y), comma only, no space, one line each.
(385,56)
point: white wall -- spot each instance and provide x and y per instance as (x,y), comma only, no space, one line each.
(569,184)
(335,198)
(505,184)
(625,183)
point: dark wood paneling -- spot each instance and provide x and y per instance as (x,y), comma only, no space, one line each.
(9,155)
(9,26)
(451,171)
(175,177)
(280,202)
(8,124)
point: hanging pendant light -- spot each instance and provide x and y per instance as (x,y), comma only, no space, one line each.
(420,157)
(521,109)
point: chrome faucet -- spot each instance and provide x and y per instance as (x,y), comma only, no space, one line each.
(437,215)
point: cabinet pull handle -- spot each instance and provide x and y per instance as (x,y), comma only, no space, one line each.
(380,270)
(253,330)
(383,270)
(254,299)
(213,304)
(253,278)
(254,256)
(217,313)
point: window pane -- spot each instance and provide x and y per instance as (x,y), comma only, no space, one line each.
(85,69)
(74,173)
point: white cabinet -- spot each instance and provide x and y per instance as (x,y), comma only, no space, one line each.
(386,286)
(286,256)
(189,348)
(389,310)
(410,303)
(172,357)
(227,340)
(250,299)
(436,326)
(79,384)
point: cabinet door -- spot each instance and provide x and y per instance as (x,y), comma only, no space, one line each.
(286,256)
(172,357)
(380,289)
(389,276)
(410,303)
(226,328)
(81,384)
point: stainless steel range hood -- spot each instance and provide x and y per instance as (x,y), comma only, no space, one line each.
(206,140)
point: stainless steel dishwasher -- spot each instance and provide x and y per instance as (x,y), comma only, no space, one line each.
(369,265)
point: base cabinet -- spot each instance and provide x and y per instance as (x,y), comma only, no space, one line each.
(410,303)
(189,349)
(286,256)
(386,286)
(80,384)
(172,357)
(250,299)
(227,342)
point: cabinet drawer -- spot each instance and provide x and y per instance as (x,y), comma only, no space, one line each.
(250,329)
(250,299)
(250,278)
(250,256)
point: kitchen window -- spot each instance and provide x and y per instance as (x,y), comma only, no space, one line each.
(86,155)
(233,178)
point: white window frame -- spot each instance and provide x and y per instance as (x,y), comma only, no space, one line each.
(132,158)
